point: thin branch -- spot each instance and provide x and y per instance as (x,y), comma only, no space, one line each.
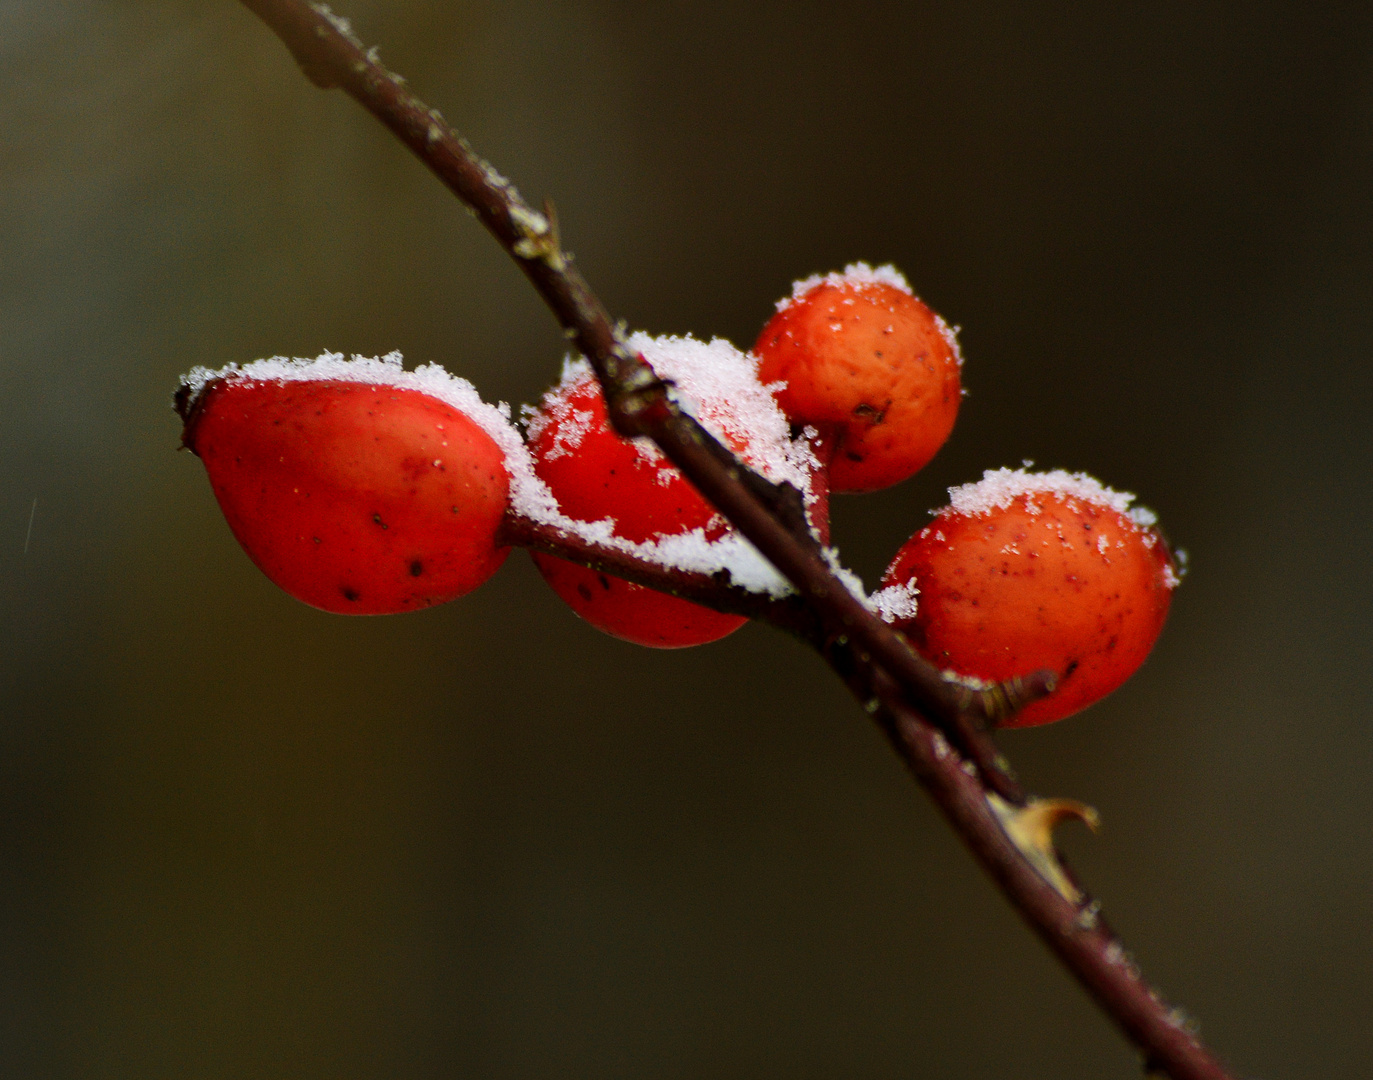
(709,590)
(909,698)
(771,517)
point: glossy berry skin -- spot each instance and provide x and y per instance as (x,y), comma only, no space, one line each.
(355,498)
(874,363)
(1045,582)
(606,476)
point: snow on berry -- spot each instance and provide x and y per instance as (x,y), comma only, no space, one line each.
(855,275)
(859,354)
(1024,571)
(356,486)
(626,494)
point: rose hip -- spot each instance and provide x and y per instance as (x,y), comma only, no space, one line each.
(354,497)
(1025,571)
(860,355)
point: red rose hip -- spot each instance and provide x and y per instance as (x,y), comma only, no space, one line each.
(862,356)
(1025,571)
(628,494)
(351,485)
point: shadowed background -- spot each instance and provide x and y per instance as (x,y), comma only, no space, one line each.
(239,837)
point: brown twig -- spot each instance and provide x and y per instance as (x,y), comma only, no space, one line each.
(771,517)
(709,590)
(911,700)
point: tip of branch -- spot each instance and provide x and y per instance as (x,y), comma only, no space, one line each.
(1000,702)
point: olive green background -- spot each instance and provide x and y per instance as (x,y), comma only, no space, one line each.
(242,838)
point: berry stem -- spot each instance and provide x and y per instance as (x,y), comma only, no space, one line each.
(919,709)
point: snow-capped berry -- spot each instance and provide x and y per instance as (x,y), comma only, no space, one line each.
(638,498)
(859,352)
(351,490)
(595,474)
(1025,571)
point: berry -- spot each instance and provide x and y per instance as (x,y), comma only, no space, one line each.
(859,353)
(353,486)
(1026,571)
(638,500)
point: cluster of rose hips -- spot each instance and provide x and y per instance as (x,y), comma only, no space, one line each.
(359,487)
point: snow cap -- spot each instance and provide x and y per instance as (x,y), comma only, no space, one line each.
(856,274)
(387,370)
(998,488)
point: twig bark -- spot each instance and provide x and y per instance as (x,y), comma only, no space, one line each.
(920,710)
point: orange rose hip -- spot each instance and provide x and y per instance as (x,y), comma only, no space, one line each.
(860,354)
(1025,571)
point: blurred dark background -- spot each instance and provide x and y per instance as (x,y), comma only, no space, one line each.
(239,837)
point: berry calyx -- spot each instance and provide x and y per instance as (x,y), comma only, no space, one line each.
(1025,571)
(356,487)
(627,493)
(858,352)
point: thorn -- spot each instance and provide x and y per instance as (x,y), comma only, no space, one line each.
(1031,829)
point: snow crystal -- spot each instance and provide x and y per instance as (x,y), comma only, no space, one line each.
(859,273)
(998,488)
(573,425)
(847,577)
(895,603)
(718,384)
(339,23)
(950,335)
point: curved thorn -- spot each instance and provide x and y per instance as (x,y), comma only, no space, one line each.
(1031,829)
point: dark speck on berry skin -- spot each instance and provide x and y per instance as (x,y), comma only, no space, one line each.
(349,594)
(377,518)
(584,591)
(416,568)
